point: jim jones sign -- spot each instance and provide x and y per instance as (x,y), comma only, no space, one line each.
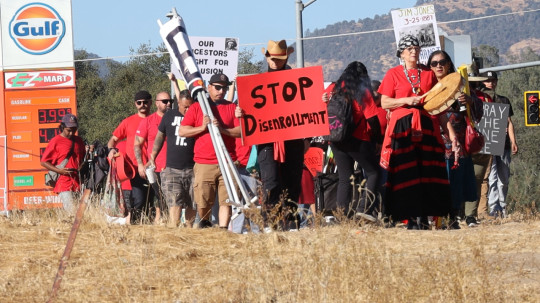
(36,34)
(282,105)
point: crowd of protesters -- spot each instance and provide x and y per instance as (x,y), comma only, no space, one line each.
(414,163)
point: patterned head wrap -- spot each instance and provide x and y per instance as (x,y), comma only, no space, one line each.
(405,42)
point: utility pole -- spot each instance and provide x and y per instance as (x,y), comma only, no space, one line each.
(300,32)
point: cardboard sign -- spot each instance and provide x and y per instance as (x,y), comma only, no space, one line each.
(213,55)
(313,159)
(420,22)
(493,126)
(282,105)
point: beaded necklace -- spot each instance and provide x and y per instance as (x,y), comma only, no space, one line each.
(415,90)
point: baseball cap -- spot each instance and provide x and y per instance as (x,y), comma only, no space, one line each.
(220,78)
(70,120)
(490,75)
(143,95)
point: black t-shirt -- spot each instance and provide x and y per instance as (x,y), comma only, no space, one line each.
(179,149)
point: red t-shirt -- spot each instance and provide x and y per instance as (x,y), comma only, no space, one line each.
(126,130)
(204,152)
(395,84)
(56,151)
(148,129)
(242,152)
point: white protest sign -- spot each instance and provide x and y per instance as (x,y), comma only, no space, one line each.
(214,55)
(420,22)
(493,127)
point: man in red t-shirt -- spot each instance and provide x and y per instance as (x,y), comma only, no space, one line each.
(208,179)
(126,131)
(145,137)
(65,145)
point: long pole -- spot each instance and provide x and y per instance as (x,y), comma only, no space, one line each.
(300,32)
(175,37)
(69,244)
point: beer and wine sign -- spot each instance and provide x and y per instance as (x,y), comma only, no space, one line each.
(38,89)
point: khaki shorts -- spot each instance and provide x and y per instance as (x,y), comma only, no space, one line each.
(208,181)
(176,185)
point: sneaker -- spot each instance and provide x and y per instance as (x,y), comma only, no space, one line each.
(454,225)
(205,224)
(367,217)
(471,221)
(412,225)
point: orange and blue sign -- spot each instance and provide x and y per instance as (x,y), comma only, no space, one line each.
(37,28)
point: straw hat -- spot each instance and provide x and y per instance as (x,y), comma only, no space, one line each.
(277,49)
(473,74)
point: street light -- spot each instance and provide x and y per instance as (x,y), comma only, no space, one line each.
(299,32)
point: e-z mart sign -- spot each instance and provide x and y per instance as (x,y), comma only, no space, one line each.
(493,126)
(282,105)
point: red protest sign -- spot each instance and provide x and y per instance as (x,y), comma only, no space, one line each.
(282,105)
(313,159)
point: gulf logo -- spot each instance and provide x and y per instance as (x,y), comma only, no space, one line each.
(37,28)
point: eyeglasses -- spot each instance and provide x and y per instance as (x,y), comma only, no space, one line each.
(141,102)
(166,100)
(413,48)
(219,87)
(441,62)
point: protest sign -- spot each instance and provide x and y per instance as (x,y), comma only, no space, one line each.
(493,126)
(214,55)
(421,23)
(282,105)
(313,160)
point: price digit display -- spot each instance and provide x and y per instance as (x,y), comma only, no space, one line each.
(52,115)
(46,134)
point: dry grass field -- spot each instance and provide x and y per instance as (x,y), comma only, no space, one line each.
(498,261)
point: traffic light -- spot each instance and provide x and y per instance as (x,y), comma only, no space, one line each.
(532,116)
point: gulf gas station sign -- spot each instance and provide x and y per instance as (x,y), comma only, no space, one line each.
(38,89)
(36,34)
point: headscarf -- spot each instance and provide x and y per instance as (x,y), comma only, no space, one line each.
(405,42)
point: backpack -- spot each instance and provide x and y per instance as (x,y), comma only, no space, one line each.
(340,119)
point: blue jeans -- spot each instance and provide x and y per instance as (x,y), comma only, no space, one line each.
(499,178)
(239,224)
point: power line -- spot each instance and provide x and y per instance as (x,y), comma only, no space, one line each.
(445,22)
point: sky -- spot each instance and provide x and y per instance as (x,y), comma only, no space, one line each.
(110,28)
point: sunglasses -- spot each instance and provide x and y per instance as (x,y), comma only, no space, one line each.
(219,87)
(441,62)
(141,102)
(166,100)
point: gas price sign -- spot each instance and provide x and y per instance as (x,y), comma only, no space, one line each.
(33,118)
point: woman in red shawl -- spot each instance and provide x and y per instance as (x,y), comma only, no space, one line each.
(413,150)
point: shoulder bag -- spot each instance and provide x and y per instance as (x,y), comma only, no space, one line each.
(51,176)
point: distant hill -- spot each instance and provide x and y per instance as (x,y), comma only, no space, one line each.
(509,34)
